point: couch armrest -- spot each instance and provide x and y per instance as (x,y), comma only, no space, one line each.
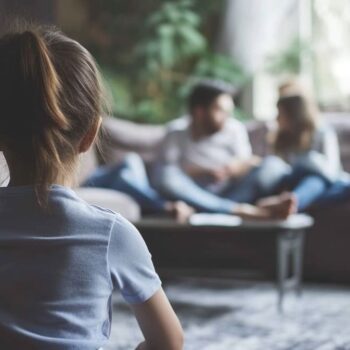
(110,199)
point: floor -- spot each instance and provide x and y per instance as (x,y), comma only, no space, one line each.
(219,314)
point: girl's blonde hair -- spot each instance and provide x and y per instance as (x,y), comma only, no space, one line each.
(302,115)
(50,97)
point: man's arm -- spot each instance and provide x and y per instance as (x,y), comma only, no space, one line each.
(170,149)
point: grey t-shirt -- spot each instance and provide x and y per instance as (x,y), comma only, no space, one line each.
(210,152)
(179,149)
(58,270)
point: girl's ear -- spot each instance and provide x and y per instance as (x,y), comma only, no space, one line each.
(90,136)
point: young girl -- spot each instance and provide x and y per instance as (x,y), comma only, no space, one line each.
(61,258)
(308,154)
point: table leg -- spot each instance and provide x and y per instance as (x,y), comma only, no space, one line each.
(282,268)
(298,246)
(289,249)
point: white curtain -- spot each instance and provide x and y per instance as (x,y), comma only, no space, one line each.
(254,29)
(332,52)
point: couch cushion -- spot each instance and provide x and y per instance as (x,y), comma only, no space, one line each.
(110,199)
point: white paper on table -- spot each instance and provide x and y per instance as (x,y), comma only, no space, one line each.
(204,219)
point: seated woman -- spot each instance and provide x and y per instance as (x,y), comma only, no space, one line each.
(307,157)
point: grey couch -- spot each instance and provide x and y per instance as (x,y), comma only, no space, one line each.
(327,255)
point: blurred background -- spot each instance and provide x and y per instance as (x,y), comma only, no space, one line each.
(152,51)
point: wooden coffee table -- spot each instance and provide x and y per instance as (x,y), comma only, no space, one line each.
(289,241)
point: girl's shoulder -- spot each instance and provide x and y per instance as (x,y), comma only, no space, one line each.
(70,206)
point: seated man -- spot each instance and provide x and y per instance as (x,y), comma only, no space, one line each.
(208,162)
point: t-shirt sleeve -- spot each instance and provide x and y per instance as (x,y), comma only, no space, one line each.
(171,148)
(130,263)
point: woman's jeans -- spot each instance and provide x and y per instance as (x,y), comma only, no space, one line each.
(308,185)
(129,177)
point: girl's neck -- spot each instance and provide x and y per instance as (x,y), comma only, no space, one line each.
(22,174)
(19,181)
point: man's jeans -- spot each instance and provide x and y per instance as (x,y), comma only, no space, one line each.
(129,177)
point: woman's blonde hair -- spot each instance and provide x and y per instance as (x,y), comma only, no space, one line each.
(302,115)
(50,97)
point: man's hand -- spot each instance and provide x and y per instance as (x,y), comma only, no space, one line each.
(218,175)
(236,169)
(239,168)
(197,171)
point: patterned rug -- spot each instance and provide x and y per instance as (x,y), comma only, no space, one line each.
(223,315)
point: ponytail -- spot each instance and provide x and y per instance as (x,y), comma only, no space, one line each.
(50,97)
(40,78)
(48,121)
(37,120)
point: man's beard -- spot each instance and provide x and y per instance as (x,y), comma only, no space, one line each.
(211,127)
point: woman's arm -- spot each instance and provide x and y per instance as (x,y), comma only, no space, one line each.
(330,149)
(159,324)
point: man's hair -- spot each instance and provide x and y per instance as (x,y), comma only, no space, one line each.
(205,92)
